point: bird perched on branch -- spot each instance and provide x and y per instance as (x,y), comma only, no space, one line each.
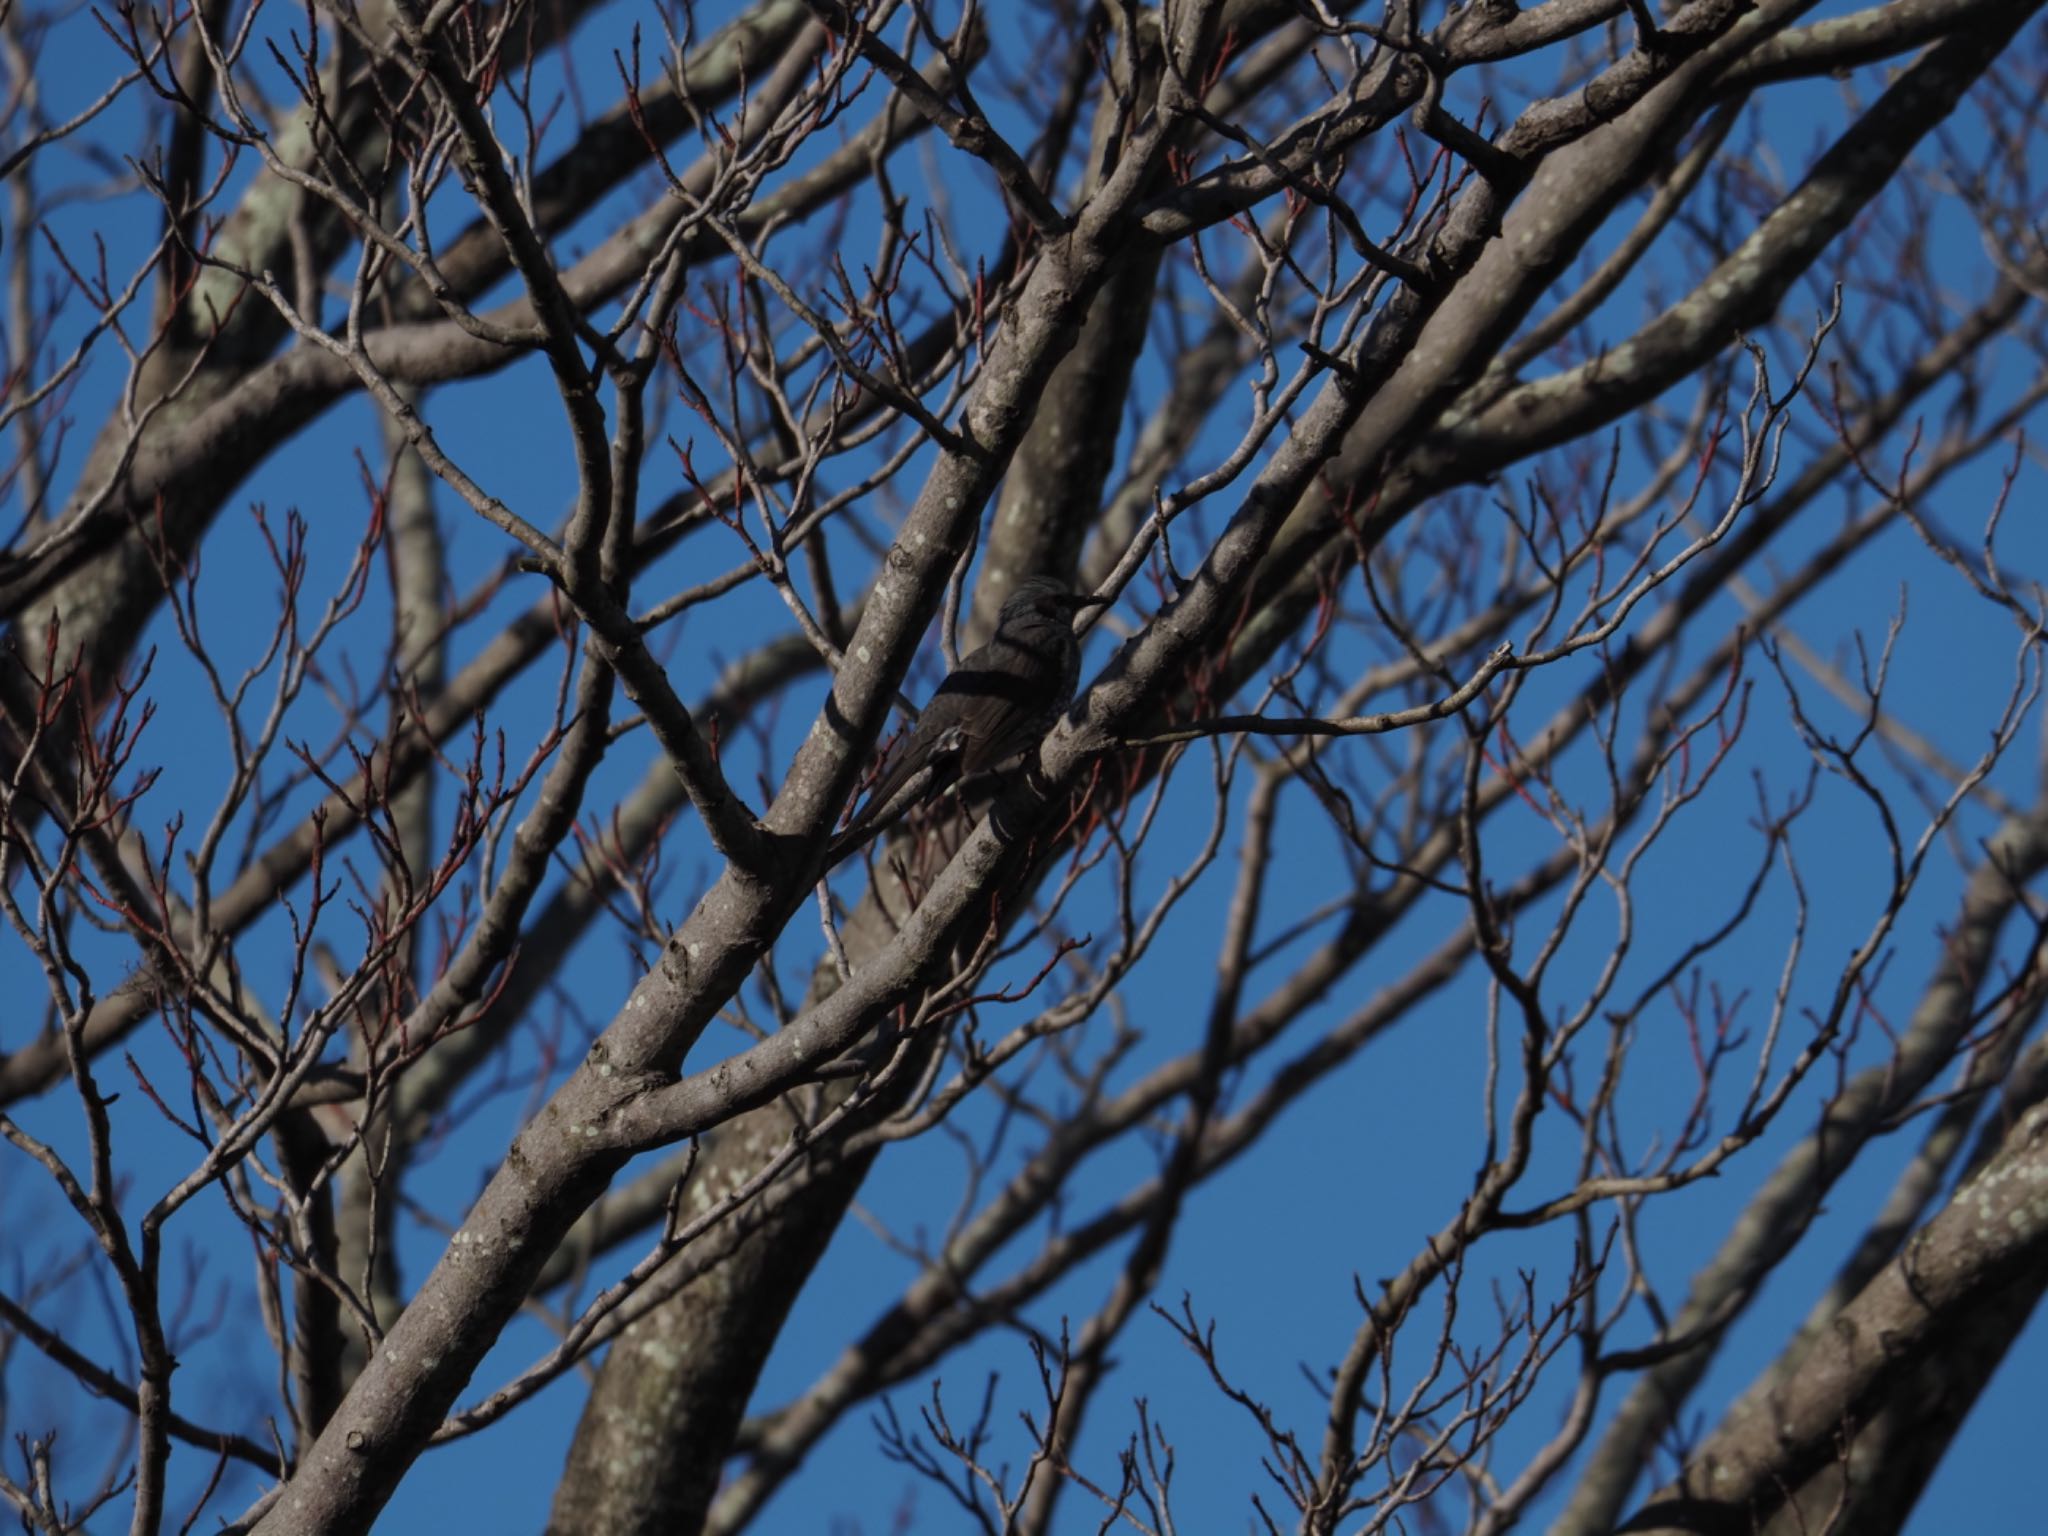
(998,703)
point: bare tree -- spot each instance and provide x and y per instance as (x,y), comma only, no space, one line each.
(1559,484)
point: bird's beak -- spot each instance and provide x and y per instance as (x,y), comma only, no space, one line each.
(1089,600)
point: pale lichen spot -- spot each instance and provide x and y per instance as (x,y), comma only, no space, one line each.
(638,1454)
(864,654)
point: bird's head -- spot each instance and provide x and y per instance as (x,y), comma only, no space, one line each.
(1044,599)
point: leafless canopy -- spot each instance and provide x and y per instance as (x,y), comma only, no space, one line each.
(1549,830)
